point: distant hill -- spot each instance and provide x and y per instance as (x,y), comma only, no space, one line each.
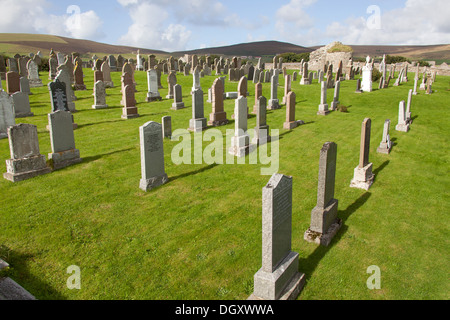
(255,49)
(12,43)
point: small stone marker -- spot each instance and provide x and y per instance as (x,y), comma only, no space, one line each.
(152,81)
(386,144)
(7,114)
(198,121)
(167,127)
(62,140)
(324,221)
(178,98)
(291,123)
(99,96)
(26,161)
(278,278)
(363,176)
(403,125)
(152,156)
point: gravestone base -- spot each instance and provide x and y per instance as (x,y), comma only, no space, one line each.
(323,239)
(23,169)
(178,106)
(323,110)
(149,184)
(358,91)
(284,283)
(423,86)
(305,82)
(3,75)
(293,124)
(402,127)
(71,107)
(24,115)
(169,96)
(100,106)
(231,95)
(153,97)
(218,119)
(197,125)
(64,159)
(130,113)
(363,177)
(334,105)
(263,137)
(36,83)
(109,84)
(273,104)
(80,87)
(240,146)
(384,148)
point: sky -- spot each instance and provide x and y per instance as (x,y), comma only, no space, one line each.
(176,25)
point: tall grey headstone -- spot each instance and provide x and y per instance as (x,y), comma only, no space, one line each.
(198,121)
(262,129)
(323,106)
(336,101)
(240,142)
(178,98)
(152,156)
(152,81)
(274,102)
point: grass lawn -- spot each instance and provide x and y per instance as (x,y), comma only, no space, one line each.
(199,236)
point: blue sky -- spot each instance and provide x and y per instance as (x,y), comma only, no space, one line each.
(173,25)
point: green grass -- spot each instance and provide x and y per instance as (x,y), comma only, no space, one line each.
(199,236)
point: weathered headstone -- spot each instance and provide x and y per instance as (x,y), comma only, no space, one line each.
(26,161)
(305,76)
(33,75)
(408,107)
(152,81)
(2,68)
(274,102)
(324,221)
(106,71)
(196,80)
(25,86)
(278,278)
(99,96)
(218,117)
(291,123)
(7,114)
(178,98)
(262,129)
(171,81)
(403,125)
(167,126)
(386,144)
(78,74)
(62,140)
(21,103)
(336,101)
(198,121)
(52,65)
(358,86)
(287,87)
(129,107)
(12,82)
(152,156)
(363,176)
(258,93)
(240,142)
(63,77)
(366,85)
(323,106)
(98,76)
(112,63)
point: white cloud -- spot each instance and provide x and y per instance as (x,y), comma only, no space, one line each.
(30,16)
(419,22)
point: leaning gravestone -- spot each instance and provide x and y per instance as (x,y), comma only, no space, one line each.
(324,220)
(99,96)
(64,77)
(152,156)
(363,176)
(403,125)
(62,140)
(386,144)
(21,103)
(336,101)
(278,278)
(7,117)
(26,161)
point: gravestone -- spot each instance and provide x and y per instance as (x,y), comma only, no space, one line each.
(33,75)
(171,81)
(262,129)
(278,278)
(294,76)
(363,176)
(2,68)
(291,123)
(274,102)
(126,80)
(178,98)
(330,81)
(323,106)
(99,96)
(366,85)
(21,103)
(324,221)
(386,144)
(416,79)
(336,101)
(52,68)
(7,114)
(98,76)
(152,156)
(218,117)
(429,83)
(198,121)
(403,125)
(196,80)
(152,81)
(256,75)
(112,63)
(25,86)
(408,107)
(12,82)
(258,93)
(106,72)
(62,140)
(167,127)
(12,65)
(78,74)
(26,161)
(240,142)
(305,76)
(63,77)
(358,86)
(70,67)
(129,110)
(287,88)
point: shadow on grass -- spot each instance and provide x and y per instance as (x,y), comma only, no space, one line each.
(96,123)
(309,264)
(211,166)
(19,272)
(94,158)
(378,170)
